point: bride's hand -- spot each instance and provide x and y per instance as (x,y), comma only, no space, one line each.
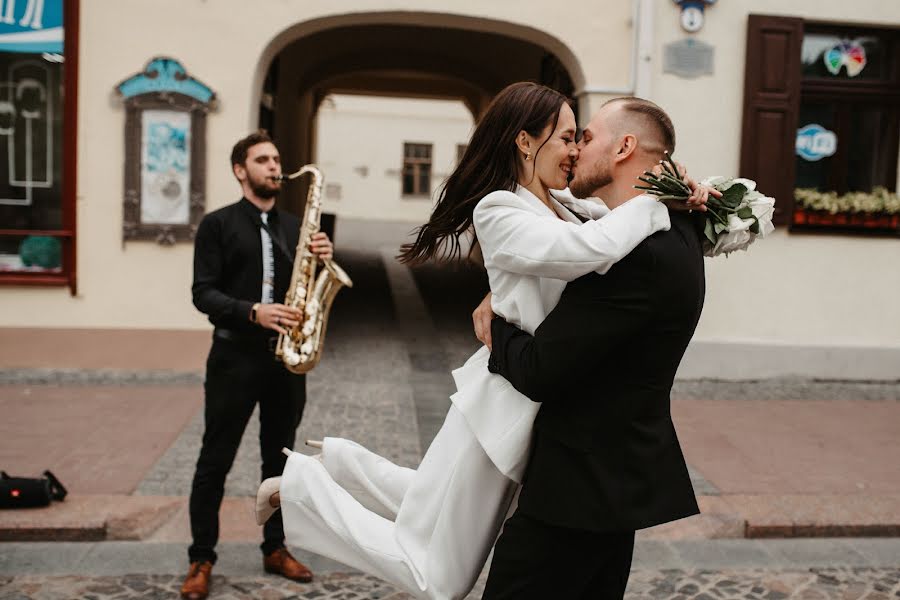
(481,319)
(699,193)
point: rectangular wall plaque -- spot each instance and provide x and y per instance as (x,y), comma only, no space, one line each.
(688,58)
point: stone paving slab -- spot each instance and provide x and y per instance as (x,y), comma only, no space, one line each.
(163,518)
(785,447)
(459,345)
(811,584)
(379,415)
(819,515)
(753,570)
(243,559)
(95,439)
(90,518)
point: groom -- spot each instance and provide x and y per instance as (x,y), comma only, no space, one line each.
(606,460)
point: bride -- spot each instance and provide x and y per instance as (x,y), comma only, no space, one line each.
(429,531)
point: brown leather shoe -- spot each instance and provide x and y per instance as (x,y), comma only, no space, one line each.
(196,584)
(282,563)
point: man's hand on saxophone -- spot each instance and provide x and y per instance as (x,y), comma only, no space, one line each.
(277,317)
(280,317)
(322,246)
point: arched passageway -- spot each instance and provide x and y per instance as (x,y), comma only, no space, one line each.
(415,55)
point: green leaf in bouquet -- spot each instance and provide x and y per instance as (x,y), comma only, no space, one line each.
(709,232)
(754,227)
(713,202)
(720,227)
(716,216)
(745,213)
(732,196)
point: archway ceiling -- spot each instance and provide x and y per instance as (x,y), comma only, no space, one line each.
(484,60)
(407,84)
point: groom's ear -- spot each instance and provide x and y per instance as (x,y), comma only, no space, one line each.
(626,147)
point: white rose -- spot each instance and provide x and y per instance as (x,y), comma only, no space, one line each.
(748,183)
(735,223)
(714,180)
(730,242)
(753,195)
(763,209)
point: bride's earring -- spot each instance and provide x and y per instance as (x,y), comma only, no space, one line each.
(528,156)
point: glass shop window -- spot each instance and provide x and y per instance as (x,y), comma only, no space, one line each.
(36,216)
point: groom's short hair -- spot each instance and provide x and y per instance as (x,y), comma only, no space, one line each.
(650,115)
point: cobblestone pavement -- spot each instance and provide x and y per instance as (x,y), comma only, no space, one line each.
(824,569)
(673,584)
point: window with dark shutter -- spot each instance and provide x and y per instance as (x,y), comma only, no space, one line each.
(771,104)
(821,123)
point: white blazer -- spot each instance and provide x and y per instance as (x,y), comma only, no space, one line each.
(530,254)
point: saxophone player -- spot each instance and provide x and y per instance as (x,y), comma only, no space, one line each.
(243,258)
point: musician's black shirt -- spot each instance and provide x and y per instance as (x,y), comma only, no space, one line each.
(228,266)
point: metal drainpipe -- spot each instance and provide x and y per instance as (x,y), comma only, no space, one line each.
(641,53)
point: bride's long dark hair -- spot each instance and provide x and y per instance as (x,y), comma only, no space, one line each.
(489,163)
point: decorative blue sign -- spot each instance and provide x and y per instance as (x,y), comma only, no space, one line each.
(163,74)
(814,142)
(32,26)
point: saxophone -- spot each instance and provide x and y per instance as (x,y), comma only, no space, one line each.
(301,348)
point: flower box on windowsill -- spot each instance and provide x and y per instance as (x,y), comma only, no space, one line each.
(847,220)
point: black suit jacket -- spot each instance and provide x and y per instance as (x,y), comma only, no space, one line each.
(606,456)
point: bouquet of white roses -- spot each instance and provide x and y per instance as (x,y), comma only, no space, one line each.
(733,221)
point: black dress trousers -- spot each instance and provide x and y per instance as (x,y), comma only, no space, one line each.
(534,560)
(240,374)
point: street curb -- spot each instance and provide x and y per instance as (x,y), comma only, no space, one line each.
(794,531)
(87,518)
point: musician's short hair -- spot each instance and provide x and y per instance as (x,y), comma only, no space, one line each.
(239,152)
(650,114)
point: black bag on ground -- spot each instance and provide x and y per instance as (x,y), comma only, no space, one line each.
(29,492)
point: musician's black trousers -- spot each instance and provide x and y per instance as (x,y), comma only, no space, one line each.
(238,376)
(534,560)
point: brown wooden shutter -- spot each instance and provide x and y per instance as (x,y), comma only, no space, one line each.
(771,107)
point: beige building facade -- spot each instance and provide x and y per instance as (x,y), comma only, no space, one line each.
(385,158)
(813,302)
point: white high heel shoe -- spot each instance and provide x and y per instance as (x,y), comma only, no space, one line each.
(264,509)
(312,444)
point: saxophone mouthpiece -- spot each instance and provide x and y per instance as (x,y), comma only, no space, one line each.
(279,178)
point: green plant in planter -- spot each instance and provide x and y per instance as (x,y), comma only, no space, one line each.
(879,200)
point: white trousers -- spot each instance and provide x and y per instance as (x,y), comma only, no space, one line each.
(427,531)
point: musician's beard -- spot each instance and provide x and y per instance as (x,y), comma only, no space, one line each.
(265,188)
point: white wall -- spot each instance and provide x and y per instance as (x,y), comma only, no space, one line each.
(360,148)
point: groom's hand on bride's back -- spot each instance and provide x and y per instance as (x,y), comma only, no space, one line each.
(481,319)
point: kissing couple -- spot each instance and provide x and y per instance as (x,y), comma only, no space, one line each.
(596,290)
